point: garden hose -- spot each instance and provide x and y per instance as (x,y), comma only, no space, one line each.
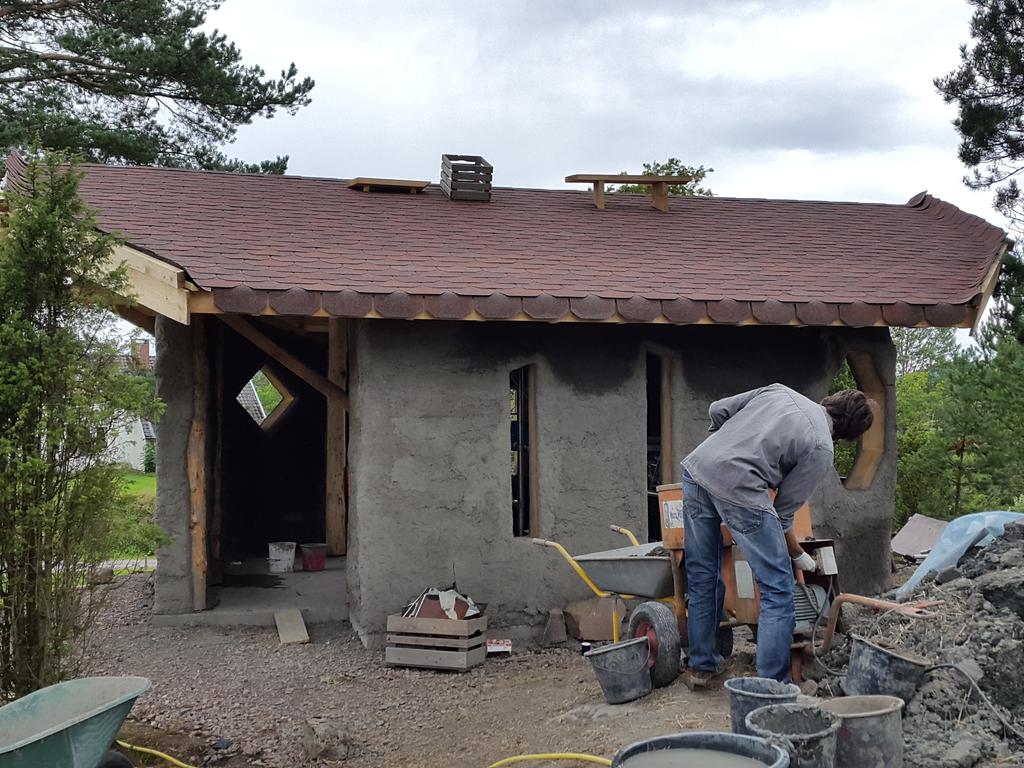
(155,753)
(553,756)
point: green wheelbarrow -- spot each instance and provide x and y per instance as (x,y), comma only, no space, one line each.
(68,725)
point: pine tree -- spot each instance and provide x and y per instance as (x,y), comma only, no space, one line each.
(132,81)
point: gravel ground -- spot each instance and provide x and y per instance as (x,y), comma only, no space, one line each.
(240,684)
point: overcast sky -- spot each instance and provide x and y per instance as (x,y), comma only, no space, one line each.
(814,100)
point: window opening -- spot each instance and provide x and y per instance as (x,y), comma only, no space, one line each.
(654,445)
(857,463)
(265,398)
(521,441)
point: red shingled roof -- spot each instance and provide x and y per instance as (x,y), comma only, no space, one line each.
(303,244)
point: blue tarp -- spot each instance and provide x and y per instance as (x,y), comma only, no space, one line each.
(978,528)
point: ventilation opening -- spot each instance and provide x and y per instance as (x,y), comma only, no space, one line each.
(265,398)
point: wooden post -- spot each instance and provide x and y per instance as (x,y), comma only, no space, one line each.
(195,462)
(218,451)
(599,194)
(336,510)
(659,196)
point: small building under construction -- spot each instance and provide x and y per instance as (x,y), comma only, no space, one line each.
(459,374)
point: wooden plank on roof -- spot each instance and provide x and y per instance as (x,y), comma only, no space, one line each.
(626,178)
(368,184)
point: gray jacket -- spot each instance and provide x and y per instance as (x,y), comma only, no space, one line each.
(771,437)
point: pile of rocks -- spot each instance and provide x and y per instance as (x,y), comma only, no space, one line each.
(981,630)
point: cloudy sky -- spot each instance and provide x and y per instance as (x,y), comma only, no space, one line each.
(813,100)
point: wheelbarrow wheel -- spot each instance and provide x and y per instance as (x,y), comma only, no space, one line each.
(114,759)
(657,622)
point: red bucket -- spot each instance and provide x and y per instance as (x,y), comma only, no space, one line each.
(314,557)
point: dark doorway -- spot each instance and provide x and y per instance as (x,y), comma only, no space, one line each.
(654,443)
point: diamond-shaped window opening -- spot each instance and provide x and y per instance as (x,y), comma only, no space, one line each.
(265,398)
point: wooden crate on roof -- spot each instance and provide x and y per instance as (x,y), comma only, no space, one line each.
(466,177)
(436,643)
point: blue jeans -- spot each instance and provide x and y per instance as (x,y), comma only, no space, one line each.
(760,536)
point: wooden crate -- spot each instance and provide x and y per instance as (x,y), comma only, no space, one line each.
(466,177)
(436,643)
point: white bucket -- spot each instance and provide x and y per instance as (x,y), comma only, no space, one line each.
(282,556)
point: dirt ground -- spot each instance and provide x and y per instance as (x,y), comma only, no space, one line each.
(238,686)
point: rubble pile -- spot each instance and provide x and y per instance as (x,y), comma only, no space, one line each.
(980,629)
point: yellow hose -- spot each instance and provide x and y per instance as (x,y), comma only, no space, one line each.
(161,755)
(553,756)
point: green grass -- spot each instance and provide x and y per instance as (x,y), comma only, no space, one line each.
(140,484)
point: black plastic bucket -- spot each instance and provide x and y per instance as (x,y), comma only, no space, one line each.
(686,750)
(622,669)
(876,670)
(749,693)
(807,732)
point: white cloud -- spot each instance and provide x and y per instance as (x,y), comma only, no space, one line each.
(825,100)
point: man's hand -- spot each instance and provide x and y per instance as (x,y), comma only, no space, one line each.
(805,562)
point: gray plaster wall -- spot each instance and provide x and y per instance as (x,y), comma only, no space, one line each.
(174,366)
(430,496)
(429,458)
(712,362)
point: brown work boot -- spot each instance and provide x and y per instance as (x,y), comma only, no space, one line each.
(699,680)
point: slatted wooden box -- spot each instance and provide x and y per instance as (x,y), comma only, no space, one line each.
(436,643)
(466,177)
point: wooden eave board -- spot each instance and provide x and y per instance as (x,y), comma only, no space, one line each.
(290,626)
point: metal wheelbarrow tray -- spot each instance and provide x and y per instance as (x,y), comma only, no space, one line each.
(70,724)
(630,571)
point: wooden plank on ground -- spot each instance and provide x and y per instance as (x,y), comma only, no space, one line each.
(425,657)
(434,641)
(290,626)
(446,627)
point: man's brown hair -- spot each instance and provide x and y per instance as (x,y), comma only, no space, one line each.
(852,413)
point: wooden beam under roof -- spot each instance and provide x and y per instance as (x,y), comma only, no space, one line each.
(156,285)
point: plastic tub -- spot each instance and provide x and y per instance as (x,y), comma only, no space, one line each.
(749,693)
(622,669)
(314,557)
(807,732)
(699,749)
(876,670)
(871,731)
(281,557)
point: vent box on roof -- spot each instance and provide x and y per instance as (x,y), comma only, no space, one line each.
(466,177)
(387,185)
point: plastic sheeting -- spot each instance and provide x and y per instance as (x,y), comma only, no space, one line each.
(976,529)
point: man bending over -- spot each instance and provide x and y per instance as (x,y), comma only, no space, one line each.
(767,438)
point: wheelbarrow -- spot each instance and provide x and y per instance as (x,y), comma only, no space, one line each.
(70,724)
(644,571)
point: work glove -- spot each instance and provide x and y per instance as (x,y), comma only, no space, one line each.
(805,562)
